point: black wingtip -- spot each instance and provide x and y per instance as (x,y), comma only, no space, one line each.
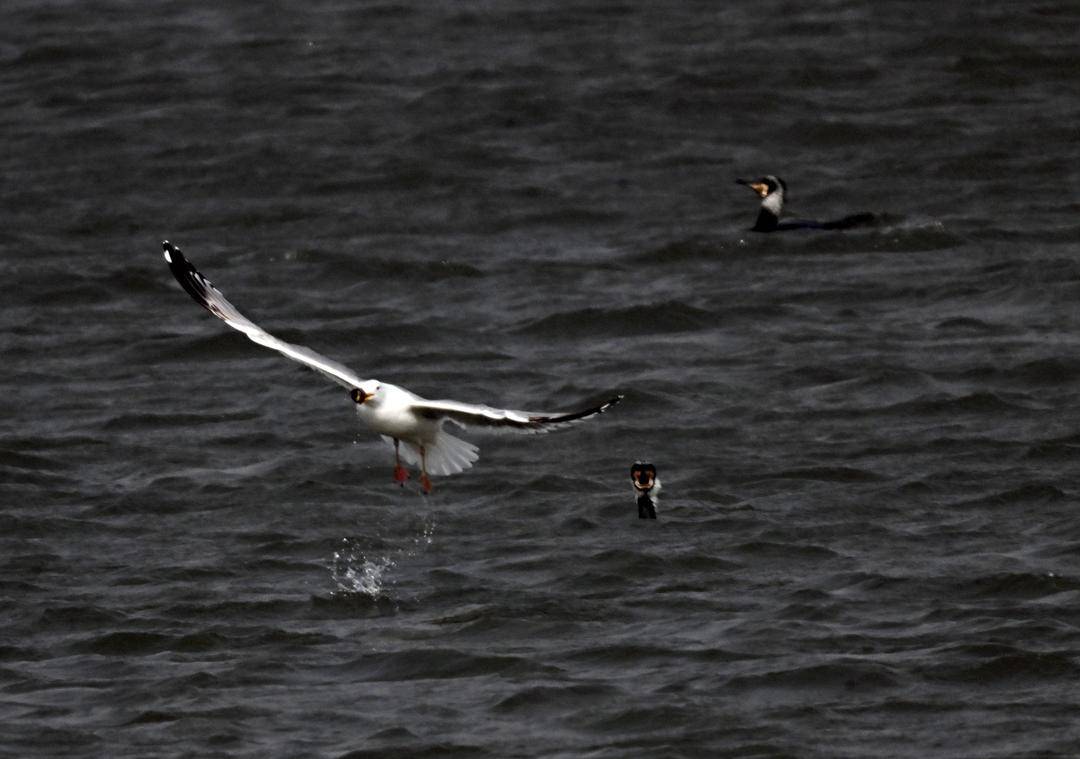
(171,251)
(574,416)
(174,257)
(196,285)
(611,403)
(179,265)
(602,407)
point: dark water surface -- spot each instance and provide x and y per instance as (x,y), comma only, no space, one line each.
(869,543)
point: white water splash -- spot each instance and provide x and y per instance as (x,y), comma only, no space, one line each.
(356,571)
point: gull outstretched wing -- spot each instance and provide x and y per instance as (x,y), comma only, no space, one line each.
(471,415)
(210,298)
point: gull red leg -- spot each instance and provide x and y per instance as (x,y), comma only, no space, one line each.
(425,481)
(400,475)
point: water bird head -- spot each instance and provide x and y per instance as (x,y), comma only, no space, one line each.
(365,394)
(766,185)
(643,476)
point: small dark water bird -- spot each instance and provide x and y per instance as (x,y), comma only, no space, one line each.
(646,488)
(772,189)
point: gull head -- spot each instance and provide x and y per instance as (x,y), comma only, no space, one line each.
(366,393)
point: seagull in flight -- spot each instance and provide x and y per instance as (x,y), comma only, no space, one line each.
(413,425)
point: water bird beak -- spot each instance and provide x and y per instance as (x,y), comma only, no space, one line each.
(760,188)
(645,486)
(643,476)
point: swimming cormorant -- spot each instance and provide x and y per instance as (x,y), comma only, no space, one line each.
(772,188)
(646,488)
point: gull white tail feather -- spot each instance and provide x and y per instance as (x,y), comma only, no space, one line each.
(447,455)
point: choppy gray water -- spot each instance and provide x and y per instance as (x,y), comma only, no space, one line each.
(869,543)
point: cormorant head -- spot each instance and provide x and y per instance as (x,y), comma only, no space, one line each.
(643,475)
(765,186)
(771,189)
